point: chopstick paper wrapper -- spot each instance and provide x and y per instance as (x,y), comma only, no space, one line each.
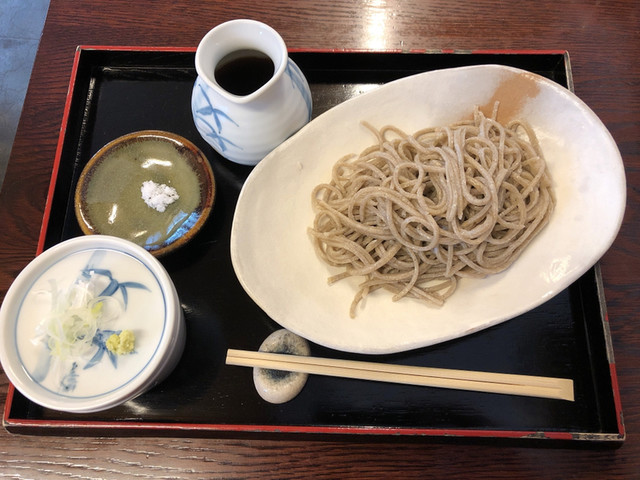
(510,384)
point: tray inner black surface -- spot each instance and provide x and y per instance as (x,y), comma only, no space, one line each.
(117,92)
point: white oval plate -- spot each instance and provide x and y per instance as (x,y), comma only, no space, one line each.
(275,261)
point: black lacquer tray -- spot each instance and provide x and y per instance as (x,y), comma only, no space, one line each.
(115,91)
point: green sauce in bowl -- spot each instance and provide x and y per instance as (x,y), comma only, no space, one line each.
(109,198)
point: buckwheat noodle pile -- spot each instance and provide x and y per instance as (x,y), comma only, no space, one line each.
(414,213)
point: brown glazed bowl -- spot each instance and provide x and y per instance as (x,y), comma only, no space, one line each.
(153,188)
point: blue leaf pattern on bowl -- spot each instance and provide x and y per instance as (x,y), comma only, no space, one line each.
(100,341)
(69,381)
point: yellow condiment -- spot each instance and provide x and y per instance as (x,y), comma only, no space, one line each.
(122,343)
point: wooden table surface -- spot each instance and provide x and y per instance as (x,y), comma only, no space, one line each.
(603,40)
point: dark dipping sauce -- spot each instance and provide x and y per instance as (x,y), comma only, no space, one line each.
(244,71)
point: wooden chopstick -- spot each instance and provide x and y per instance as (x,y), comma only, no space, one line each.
(511,384)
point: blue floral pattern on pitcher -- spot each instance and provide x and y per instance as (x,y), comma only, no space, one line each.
(299,82)
(244,132)
(204,114)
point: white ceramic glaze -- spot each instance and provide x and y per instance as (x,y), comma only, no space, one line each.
(274,259)
(141,293)
(244,129)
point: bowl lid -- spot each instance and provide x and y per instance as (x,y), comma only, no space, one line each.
(87,324)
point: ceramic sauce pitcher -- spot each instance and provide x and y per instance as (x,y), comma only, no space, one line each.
(249,95)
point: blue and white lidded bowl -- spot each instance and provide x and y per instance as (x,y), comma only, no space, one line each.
(90,323)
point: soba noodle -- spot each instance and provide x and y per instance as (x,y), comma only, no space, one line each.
(414,213)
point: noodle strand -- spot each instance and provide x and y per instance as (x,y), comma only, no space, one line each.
(413,213)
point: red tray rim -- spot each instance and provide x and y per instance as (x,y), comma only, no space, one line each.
(53,426)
